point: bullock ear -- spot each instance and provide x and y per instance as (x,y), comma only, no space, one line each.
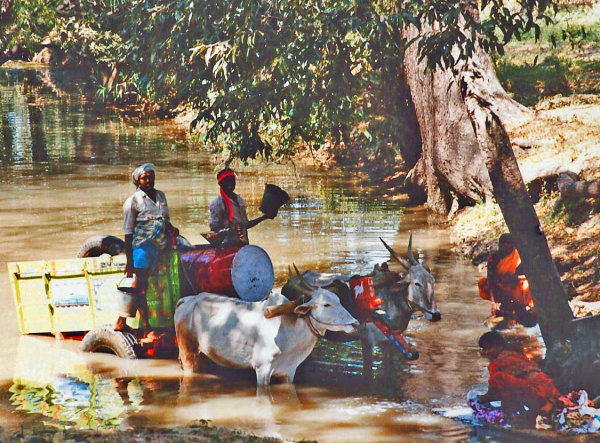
(401,284)
(302,310)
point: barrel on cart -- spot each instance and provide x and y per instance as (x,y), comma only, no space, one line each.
(79,297)
(237,271)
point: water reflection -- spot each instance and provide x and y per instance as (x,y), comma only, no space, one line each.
(54,381)
(88,404)
(64,386)
(64,176)
(48,123)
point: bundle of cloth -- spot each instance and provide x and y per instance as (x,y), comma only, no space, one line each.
(491,412)
(578,415)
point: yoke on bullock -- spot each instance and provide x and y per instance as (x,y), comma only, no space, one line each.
(237,333)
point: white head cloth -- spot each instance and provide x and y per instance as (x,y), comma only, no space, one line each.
(146,167)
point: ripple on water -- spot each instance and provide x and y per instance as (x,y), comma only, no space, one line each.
(68,167)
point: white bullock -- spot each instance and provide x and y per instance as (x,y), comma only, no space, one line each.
(233,332)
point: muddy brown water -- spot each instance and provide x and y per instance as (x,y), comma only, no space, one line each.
(64,175)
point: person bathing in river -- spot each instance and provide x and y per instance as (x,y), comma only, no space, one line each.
(515,380)
(228,215)
(505,287)
(148,232)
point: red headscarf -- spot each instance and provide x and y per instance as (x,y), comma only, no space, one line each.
(222,175)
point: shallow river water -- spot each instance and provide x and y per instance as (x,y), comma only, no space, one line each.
(64,175)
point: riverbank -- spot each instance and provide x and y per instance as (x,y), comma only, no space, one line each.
(200,432)
(562,134)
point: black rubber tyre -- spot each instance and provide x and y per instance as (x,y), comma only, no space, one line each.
(105,339)
(101,244)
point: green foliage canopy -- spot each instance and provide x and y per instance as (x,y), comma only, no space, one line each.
(289,71)
(266,75)
(25,23)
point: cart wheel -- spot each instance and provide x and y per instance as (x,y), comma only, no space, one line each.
(105,339)
(101,244)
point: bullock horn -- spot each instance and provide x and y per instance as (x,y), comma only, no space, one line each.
(303,282)
(411,257)
(304,291)
(395,256)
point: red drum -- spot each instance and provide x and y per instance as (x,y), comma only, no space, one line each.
(244,271)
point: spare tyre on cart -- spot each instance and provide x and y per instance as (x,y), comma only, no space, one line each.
(97,245)
(101,244)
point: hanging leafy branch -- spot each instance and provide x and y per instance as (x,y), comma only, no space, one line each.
(266,75)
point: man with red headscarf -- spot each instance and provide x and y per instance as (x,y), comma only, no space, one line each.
(228,211)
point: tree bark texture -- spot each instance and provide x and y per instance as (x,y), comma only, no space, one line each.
(553,311)
(451,167)
(467,155)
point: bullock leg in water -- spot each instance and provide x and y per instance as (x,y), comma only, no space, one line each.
(189,355)
(263,374)
(388,359)
(367,354)
(388,350)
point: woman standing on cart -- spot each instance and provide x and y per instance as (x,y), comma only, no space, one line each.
(148,232)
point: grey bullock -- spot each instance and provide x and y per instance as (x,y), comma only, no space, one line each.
(403,294)
(235,333)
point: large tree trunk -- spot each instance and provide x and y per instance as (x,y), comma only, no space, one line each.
(573,346)
(466,154)
(451,168)
(509,190)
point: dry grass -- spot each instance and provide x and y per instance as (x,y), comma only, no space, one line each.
(560,138)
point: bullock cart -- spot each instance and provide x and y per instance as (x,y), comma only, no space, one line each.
(79,299)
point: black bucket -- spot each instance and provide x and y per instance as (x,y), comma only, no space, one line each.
(273,198)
